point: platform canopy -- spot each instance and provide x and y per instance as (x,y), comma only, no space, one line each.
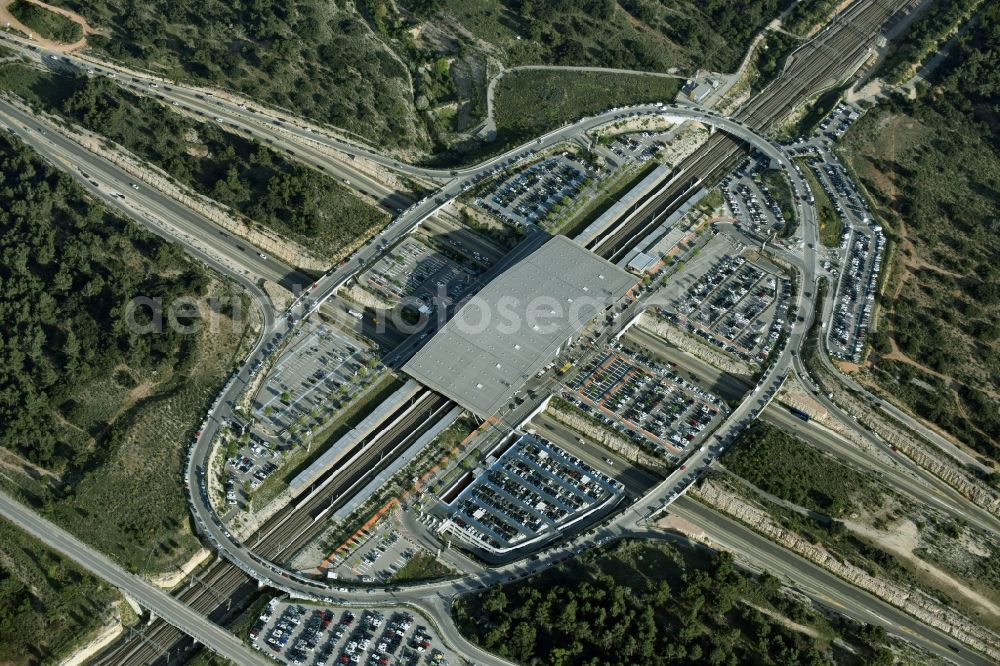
(517,324)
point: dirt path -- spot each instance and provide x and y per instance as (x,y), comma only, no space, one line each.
(900,357)
(15,463)
(104,637)
(788,622)
(902,540)
(912,261)
(7,19)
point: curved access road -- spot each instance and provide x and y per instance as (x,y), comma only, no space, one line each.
(210,525)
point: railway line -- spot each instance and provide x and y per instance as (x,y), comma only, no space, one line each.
(282,535)
(825,58)
(222,589)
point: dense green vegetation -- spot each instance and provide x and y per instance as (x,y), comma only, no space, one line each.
(831,225)
(815,113)
(308,56)
(48,24)
(822,489)
(648,35)
(646,603)
(787,467)
(925,36)
(46,602)
(412,76)
(248,176)
(932,168)
(530,103)
(69,363)
(807,14)
(105,409)
(769,58)
(421,566)
(68,271)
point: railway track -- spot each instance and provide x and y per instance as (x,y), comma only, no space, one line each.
(281,536)
(215,589)
(824,59)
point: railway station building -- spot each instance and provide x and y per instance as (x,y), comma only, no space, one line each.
(518,323)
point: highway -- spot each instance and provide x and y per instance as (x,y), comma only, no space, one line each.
(307,144)
(932,488)
(173,220)
(154,599)
(820,584)
(239,117)
(899,472)
(270,573)
(957,452)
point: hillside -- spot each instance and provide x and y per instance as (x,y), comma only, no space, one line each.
(98,400)
(932,166)
(412,76)
(263,184)
(649,603)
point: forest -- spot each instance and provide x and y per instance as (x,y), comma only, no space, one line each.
(785,466)
(366,67)
(248,176)
(48,24)
(925,36)
(95,407)
(69,268)
(307,56)
(648,603)
(650,35)
(46,603)
(932,167)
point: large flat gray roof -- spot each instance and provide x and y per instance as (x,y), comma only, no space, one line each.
(517,323)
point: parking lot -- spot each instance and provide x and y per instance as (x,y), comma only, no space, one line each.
(643,399)
(738,306)
(855,264)
(839,188)
(378,559)
(415,270)
(309,378)
(751,202)
(639,147)
(829,130)
(854,300)
(254,461)
(314,379)
(838,121)
(296,633)
(529,196)
(527,495)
